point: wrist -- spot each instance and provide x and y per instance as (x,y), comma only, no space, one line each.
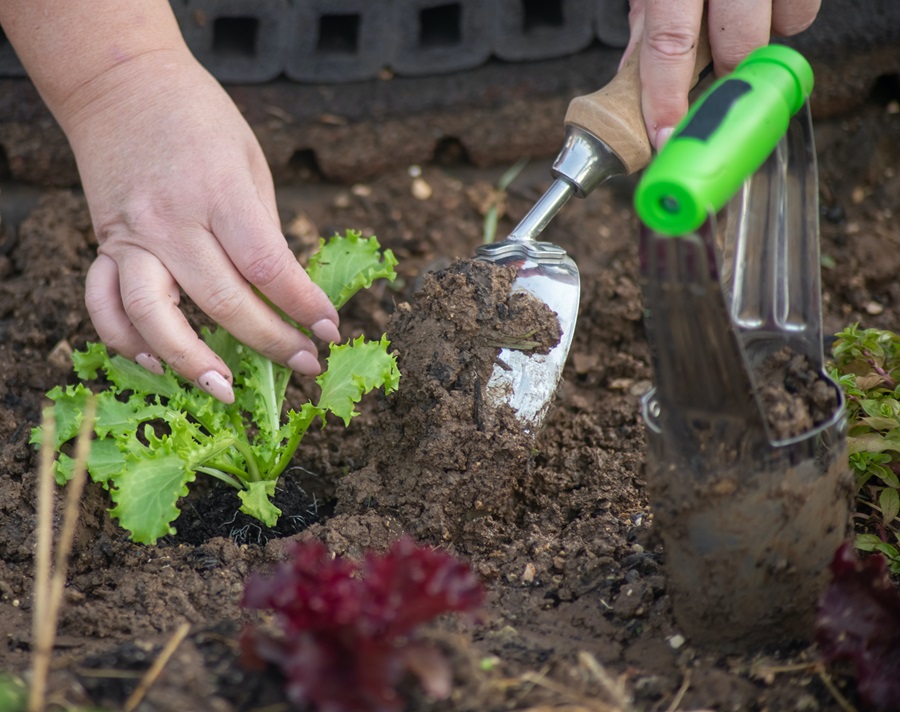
(124,88)
(77,50)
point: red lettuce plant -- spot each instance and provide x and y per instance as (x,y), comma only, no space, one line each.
(859,620)
(348,632)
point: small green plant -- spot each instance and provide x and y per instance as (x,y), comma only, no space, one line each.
(867,366)
(154,433)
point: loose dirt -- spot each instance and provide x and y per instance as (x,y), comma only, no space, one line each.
(795,396)
(560,529)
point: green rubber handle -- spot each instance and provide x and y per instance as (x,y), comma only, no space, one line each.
(725,137)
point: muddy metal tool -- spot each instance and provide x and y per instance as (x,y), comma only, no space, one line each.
(749,516)
(605,137)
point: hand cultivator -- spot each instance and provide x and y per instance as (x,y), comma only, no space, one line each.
(747,461)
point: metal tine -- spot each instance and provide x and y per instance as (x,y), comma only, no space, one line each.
(773,271)
(698,357)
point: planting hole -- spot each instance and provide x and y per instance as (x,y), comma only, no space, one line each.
(886,89)
(235,37)
(450,151)
(304,166)
(541,13)
(440,26)
(338,34)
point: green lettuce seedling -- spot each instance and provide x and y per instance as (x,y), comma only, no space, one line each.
(154,433)
(867,366)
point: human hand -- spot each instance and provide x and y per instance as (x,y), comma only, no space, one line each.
(181,198)
(668,31)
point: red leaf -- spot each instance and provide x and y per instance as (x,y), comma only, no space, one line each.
(349,639)
(859,620)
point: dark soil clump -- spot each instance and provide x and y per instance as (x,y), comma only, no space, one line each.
(448,464)
(796,397)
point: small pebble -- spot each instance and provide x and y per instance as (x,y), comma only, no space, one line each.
(874,308)
(529,573)
(420,189)
(676,641)
(60,355)
(640,388)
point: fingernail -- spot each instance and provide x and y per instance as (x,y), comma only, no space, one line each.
(150,363)
(326,330)
(215,384)
(662,136)
(305,363)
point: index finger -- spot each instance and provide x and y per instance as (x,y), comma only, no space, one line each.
(260,252)
(668,53)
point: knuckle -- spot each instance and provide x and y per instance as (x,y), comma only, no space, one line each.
(178,358)
(137,216)
(224,303)
(793,26)
(97,303)
(671,43)
(140,302)
(729,56)
(266,267)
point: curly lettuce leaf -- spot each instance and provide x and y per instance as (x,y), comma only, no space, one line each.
(355,369)
(256,501)
(344,265)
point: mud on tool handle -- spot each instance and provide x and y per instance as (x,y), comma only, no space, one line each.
(725,137)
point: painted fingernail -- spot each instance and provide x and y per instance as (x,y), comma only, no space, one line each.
(662,136)
(149,362)
(326,330)
(215,384)
(305,363)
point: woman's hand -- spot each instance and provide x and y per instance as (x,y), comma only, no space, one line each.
(182,199)
(668,33)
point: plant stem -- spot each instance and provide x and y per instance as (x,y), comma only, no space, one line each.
(287,452)
(879,369)
(223,476)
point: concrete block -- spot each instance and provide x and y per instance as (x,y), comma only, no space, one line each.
(238,41)
(339,40)
(437,36)
(542,29)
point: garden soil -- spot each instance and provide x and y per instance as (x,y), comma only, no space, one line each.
(558,527)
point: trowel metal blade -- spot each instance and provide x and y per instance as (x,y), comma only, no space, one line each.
(526,381)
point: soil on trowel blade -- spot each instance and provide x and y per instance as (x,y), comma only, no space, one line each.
(795,395)
(449,464)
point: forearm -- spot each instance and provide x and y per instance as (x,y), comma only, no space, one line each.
(74,50)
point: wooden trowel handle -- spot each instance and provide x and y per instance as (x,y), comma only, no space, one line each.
(613,114)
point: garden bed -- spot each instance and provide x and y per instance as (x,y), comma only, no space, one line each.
(559,530)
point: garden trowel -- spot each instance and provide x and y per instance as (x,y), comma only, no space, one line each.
(605,137)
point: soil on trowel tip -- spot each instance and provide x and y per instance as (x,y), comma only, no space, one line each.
(795,395)
(450,466)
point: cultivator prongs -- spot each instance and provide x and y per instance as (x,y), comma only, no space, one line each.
(775,282)
(750,511)
(697,355)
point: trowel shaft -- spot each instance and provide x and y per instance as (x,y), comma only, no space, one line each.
(605,137)
(583,164)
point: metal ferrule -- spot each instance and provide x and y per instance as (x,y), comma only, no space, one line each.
(583,163)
